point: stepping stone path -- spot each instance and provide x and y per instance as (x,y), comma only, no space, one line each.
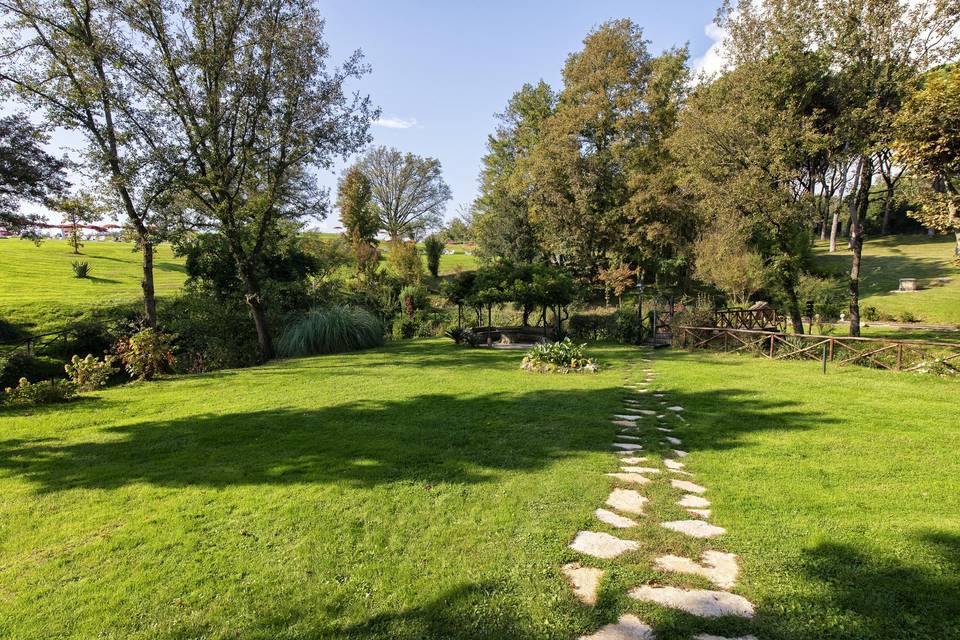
(719,567)
(584,581)
(601,545)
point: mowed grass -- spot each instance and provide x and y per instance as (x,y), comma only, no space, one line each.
(888,259)
(428,491)
(39,292)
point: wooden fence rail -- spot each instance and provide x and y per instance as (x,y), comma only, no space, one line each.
(878,353)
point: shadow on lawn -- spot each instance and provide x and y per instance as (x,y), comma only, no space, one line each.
(430,438)
(880,597)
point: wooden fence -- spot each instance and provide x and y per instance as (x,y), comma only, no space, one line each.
(878,353)
(765,318)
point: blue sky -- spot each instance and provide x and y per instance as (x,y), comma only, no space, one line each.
(443,69)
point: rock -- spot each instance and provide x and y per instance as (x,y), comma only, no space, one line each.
(613,519)
(674,441)
(697,502)
(601,545)
(703,513)
(699,602)
(634,478)
(624,416)
(626,437)
(718,567)
(673,465)
(628,627)
(694,528)
(623,423)
(665,429)
(633,460)
(626,500)
(686,485)
(584,581)
(679,453)
(626,446)
(639,470)
(675,408)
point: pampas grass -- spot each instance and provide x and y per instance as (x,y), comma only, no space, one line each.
(332,329)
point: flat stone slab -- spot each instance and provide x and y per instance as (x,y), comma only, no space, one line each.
(634,478)
(623,423)
(614,519)
(699,602)
(626,500)
(703,513)
(686,485)
(673,465)
(639,470)
(675,407)
(665,429)
(628,627)
(679,453)
(633,460)
(627,416)
(626,437)
(716,566)
(695,502)
(673,441)
(601,545)
(694,528)
(658,395)
(584,581)
(661,416)
(626,446)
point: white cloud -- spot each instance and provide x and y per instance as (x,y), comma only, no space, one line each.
(713,61)
(395,123)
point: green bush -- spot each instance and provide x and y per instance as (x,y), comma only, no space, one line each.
(28,393)
(33,368)
(147,353)
(619,326)
(433,247)
(560,356)
(456,334)
(403,328)
(870,314)
(90,373)
(81,269)
(211,334)
(332,329)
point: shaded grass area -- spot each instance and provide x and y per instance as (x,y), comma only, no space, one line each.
(38,290)
(888,259)
(427,491)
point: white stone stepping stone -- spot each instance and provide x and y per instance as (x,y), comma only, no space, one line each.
(679,453)
(623,423)
(625,437)
(633,460)
(614,519)
(632,417)
(686,485)
(647,412)
(673,465)
(658,395)
(680,418)
(626,446)
(694,528)
(703,513)
(661,416)
(639,470)
(716,566)
(699,602)
(584,581)
(628,627)
(665,429)
(675,408)
(634,478)
(708,636)
(672,440)
(601,545)
(695,502)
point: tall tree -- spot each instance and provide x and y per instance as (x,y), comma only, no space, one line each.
(359,218)
(503,227)
(27,172)
(62,58)
(409,192)
(256,108)
(77,211)
(928,140)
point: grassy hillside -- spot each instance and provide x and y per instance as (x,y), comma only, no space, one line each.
(38,290)
(428,491)
(887,259)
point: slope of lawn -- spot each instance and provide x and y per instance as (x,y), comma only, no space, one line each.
(428,491)
(38,290)
(887,259)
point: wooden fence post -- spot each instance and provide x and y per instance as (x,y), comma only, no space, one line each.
(899,355)
(771,346)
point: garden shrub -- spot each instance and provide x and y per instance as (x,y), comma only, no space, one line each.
(27,393)
(211,334)
(147,353)
(619,326)
(457,334)
(81,269)
(403,328)
(90,373)
(561,357)
(331,329)
(433,247)
(870,314)
(34,368)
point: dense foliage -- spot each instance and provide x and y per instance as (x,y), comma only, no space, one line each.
(332,329)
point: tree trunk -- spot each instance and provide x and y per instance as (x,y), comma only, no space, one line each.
(835,227)
(489,325)
(956,249)
(887,210)
(862,201)
(149,296)
(793,303)
(255,302)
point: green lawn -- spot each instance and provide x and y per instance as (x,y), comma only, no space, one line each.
(428,491)
(38,290)
(887,259)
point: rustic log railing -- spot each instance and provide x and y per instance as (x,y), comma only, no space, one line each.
(878,353)
(765,318)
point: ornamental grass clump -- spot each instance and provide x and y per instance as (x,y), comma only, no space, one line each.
(332,329)
(558,357)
